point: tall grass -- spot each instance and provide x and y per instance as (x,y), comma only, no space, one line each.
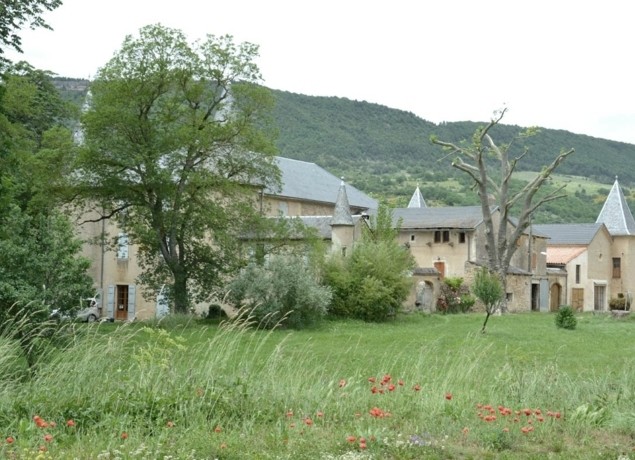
(189,390)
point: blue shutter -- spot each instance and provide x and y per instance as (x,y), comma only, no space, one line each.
(110,302)
(132,290)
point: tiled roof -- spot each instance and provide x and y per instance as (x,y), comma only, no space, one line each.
(616,214)
(307,181)
(569,233)
(562,255)
(461,217)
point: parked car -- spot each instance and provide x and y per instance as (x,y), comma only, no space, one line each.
(89,314)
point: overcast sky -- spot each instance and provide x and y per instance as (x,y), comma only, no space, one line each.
(557,64)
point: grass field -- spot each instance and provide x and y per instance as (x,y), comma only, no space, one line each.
(423,386)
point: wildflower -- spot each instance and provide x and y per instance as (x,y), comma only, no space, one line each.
(290,413)
(124,435)
(10,440)
(400,382)
(320,413)
(217,429)
(362,445)
(40,422)
(527,412)
(374,389)
(391,387)
(43,449)
(223,445)
(52,424)
(342,383)
(372,379)
(417,387)
(48,437)
(308,421)
(70,422)
(170,424)
(448,396)
(465,430)
(351,439)
(386,378)
(557,414)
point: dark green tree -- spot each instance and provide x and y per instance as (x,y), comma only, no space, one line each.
(170,142)
(489,290)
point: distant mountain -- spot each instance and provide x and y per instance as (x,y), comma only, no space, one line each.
(387,152)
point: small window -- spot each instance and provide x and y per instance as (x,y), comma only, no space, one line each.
(437,236)
(461,237)
(617,267)
(577,274)
(122,246)
(510,296)
(412,237)
(446,236)
(343,251)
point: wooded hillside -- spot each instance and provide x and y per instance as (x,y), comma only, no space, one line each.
(387,152)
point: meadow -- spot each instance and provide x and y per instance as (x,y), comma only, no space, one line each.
(419,387)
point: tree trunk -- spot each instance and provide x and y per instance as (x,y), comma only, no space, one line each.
(488,314)
(181,300)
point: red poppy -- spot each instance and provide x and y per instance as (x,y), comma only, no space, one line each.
(386,378)
(124,435)
(342,383)
(351,439)
(217,429)
(70,422)
(10,440)
(374,389)
(223,445)
(320,413)
(400,382)
(362,445)
(290,413)
(448,396)
(170,424)
(48,437)
(391,387)
(308,421)
(417,387)
(466,430)
(372,379)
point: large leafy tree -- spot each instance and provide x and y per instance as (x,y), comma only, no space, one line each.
(39,263)
(169,142)
(15,14)
(491,167)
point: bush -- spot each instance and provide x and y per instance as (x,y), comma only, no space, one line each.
(372,283)
(565,319)
(455,296)
(282,291)
(618,303)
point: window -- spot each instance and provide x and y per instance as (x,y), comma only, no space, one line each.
(577,274)
(446,236)
(122,246)
(617,267)
(437,236)
(461,237)
(343,251)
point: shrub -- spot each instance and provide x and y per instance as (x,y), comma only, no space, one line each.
(565,318)
(455,296)
(372,283)
(618,303)
(282,291)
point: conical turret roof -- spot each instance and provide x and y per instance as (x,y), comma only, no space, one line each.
(417,200)
(616,214)
(342,214)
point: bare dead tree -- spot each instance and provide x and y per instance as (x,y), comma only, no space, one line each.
(475,159)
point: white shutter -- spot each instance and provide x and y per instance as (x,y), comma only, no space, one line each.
(132,290)
(110,302)
(122,246)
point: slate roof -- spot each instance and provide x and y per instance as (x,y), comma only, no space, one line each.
(417,201)
(342,213)
(569,234)
(461,217)
(307,181)
(616,214)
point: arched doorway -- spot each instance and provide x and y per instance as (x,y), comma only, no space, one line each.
(554,297)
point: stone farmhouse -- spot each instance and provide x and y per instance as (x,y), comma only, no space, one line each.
(590,264)
(581,265)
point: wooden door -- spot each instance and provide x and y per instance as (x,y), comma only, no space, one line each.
(577,298)
(121,304)
(440,266)
(554,303)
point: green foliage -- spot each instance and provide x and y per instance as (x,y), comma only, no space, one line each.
(618,303)
(455,296)
(372,283)
(284,291)
(565,318)
(488,288)
(15,14)
(170,138)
